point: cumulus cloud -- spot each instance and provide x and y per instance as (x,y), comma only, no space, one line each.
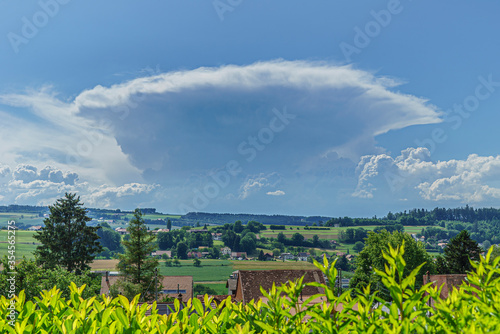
(412,173)
(254,184)
(276,193)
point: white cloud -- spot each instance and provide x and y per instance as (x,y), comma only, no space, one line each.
(276,193)
(172,128)
(255,183)
(413,174)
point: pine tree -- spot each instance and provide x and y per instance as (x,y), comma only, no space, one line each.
(459,252)
(66,239)
(137,265)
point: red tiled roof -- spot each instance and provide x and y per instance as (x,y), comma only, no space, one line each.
(252,280)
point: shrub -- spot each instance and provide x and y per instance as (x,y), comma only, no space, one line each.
(472,308)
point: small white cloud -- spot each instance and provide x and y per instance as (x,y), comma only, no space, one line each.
(276,193)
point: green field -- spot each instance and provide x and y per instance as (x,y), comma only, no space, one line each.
(25,244)
(25,218)
(210,270)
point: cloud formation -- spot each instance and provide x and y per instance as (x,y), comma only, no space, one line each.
(169,131)
(412,174)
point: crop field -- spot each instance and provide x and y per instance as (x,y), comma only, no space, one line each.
(271,265)
(331,234)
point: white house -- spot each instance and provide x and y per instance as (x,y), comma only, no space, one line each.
(226,251)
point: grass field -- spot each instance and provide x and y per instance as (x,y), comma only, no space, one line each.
(25,218)
(210,270)
(25,244)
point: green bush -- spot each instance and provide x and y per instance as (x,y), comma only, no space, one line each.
(473,308)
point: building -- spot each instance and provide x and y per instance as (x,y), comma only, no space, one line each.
(239,255)
(245,285)
(287,256)
(35,228)
(303,256)
(171,286)
(226,251)
(121,230)
(161,230)
(159,253)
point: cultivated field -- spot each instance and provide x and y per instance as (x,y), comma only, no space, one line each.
(25,244)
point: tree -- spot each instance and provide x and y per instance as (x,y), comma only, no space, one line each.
(182,249)
(371,257)
(33,279)
(248,244)
(137,265)
(358,246)
(169,225)
(261,256)
(196,262)
(66,239)
(459,252)
(486,245)
(238,226)
(297,239)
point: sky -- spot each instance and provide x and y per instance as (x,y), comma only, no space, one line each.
(332,108)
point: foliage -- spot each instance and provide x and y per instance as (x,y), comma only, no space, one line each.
(459,253)
(200,289)
(33,279)
(66,239)
(472,308)
(196,262)
(372,258)
(137,265)
(358,246)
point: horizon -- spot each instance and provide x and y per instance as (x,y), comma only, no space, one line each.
(307,109)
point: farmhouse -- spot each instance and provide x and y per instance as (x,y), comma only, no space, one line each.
(121,230)
(159,253)
(302,256)
(238,255)
(245,285)
(35,228)
(226,251)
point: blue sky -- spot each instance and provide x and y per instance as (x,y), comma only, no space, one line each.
(280,107)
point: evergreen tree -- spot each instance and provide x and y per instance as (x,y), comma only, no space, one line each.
(66,239)
(169,225)
(459,252)
(137,265)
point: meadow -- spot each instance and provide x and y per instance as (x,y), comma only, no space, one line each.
(25,243)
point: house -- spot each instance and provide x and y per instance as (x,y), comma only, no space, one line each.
(161,230)
(287,256)
(302,256)
(35,228)
(238,255)
(171,286)
(121,230)
(249,282)
(217,236)
(226,251)
(159,253)
(194,255)
(268,257)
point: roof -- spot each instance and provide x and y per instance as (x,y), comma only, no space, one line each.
(168,283)
(252,280)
